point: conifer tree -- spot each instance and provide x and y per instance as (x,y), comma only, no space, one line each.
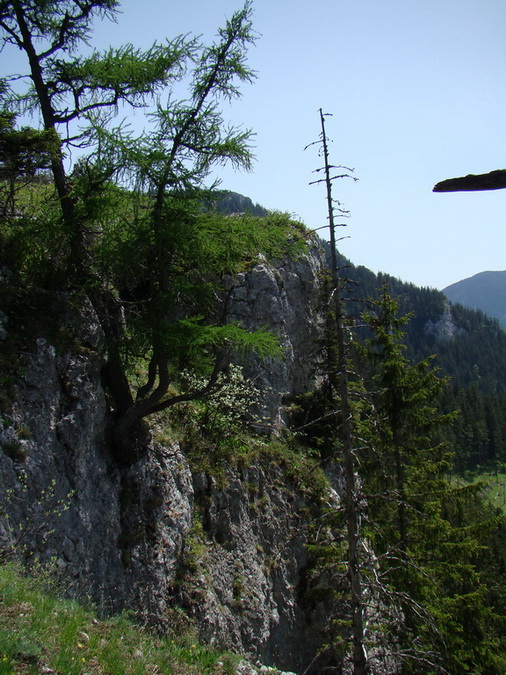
(23,154)
(427,556)
(149,257)
(338,399)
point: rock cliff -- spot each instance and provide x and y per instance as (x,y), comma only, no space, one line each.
(151,535)
(445,327)
(284,298)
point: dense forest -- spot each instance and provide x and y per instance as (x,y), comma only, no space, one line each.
(132,230)
(485,291)
(471,352)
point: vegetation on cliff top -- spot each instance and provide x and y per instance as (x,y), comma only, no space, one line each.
(125,223)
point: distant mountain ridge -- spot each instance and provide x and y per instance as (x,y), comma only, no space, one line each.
(229,202)
(485,291)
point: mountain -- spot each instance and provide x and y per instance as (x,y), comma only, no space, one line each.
(485,291)
(209,524)
(467,346)
(232,202)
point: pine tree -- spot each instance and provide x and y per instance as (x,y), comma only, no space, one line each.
(427,556)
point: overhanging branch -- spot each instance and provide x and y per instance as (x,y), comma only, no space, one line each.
(494,180)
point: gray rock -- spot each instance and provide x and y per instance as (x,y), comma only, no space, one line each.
(66,503)
(3,321)
(123,536)
(445,327)
(246,596)
(284,299)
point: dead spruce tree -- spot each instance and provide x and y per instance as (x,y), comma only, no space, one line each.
(339,392)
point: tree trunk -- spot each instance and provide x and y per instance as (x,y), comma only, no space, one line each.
(495,180)
(76,260)
(351,494)
(130,437)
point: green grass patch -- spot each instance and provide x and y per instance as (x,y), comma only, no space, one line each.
(41,632)
(493,486)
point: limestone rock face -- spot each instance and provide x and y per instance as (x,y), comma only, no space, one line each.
(60,501)
(247,594)
(283,299)
(445,327)
(64,500)
(123,536)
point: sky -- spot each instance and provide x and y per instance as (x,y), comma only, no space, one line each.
(416,90)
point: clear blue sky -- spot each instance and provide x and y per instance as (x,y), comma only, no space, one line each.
(417,90)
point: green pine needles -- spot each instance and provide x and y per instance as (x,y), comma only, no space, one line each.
(426,539)
(129,223)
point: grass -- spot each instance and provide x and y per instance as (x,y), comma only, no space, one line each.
(493,486)
(42,633)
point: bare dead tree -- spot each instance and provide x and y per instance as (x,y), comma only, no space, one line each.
(340,382)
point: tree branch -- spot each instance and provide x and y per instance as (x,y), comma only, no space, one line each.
(494,180)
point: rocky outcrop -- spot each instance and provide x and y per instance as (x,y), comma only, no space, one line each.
(284,298)
(445,327)
(65,502)
(248,591)
(126,537)
(61,501)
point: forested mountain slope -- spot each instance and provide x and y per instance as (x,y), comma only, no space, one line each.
(228,202)
(468,347)
(156,354)
(485,291)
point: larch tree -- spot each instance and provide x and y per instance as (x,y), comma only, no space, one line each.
(138,241)
(65,88)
